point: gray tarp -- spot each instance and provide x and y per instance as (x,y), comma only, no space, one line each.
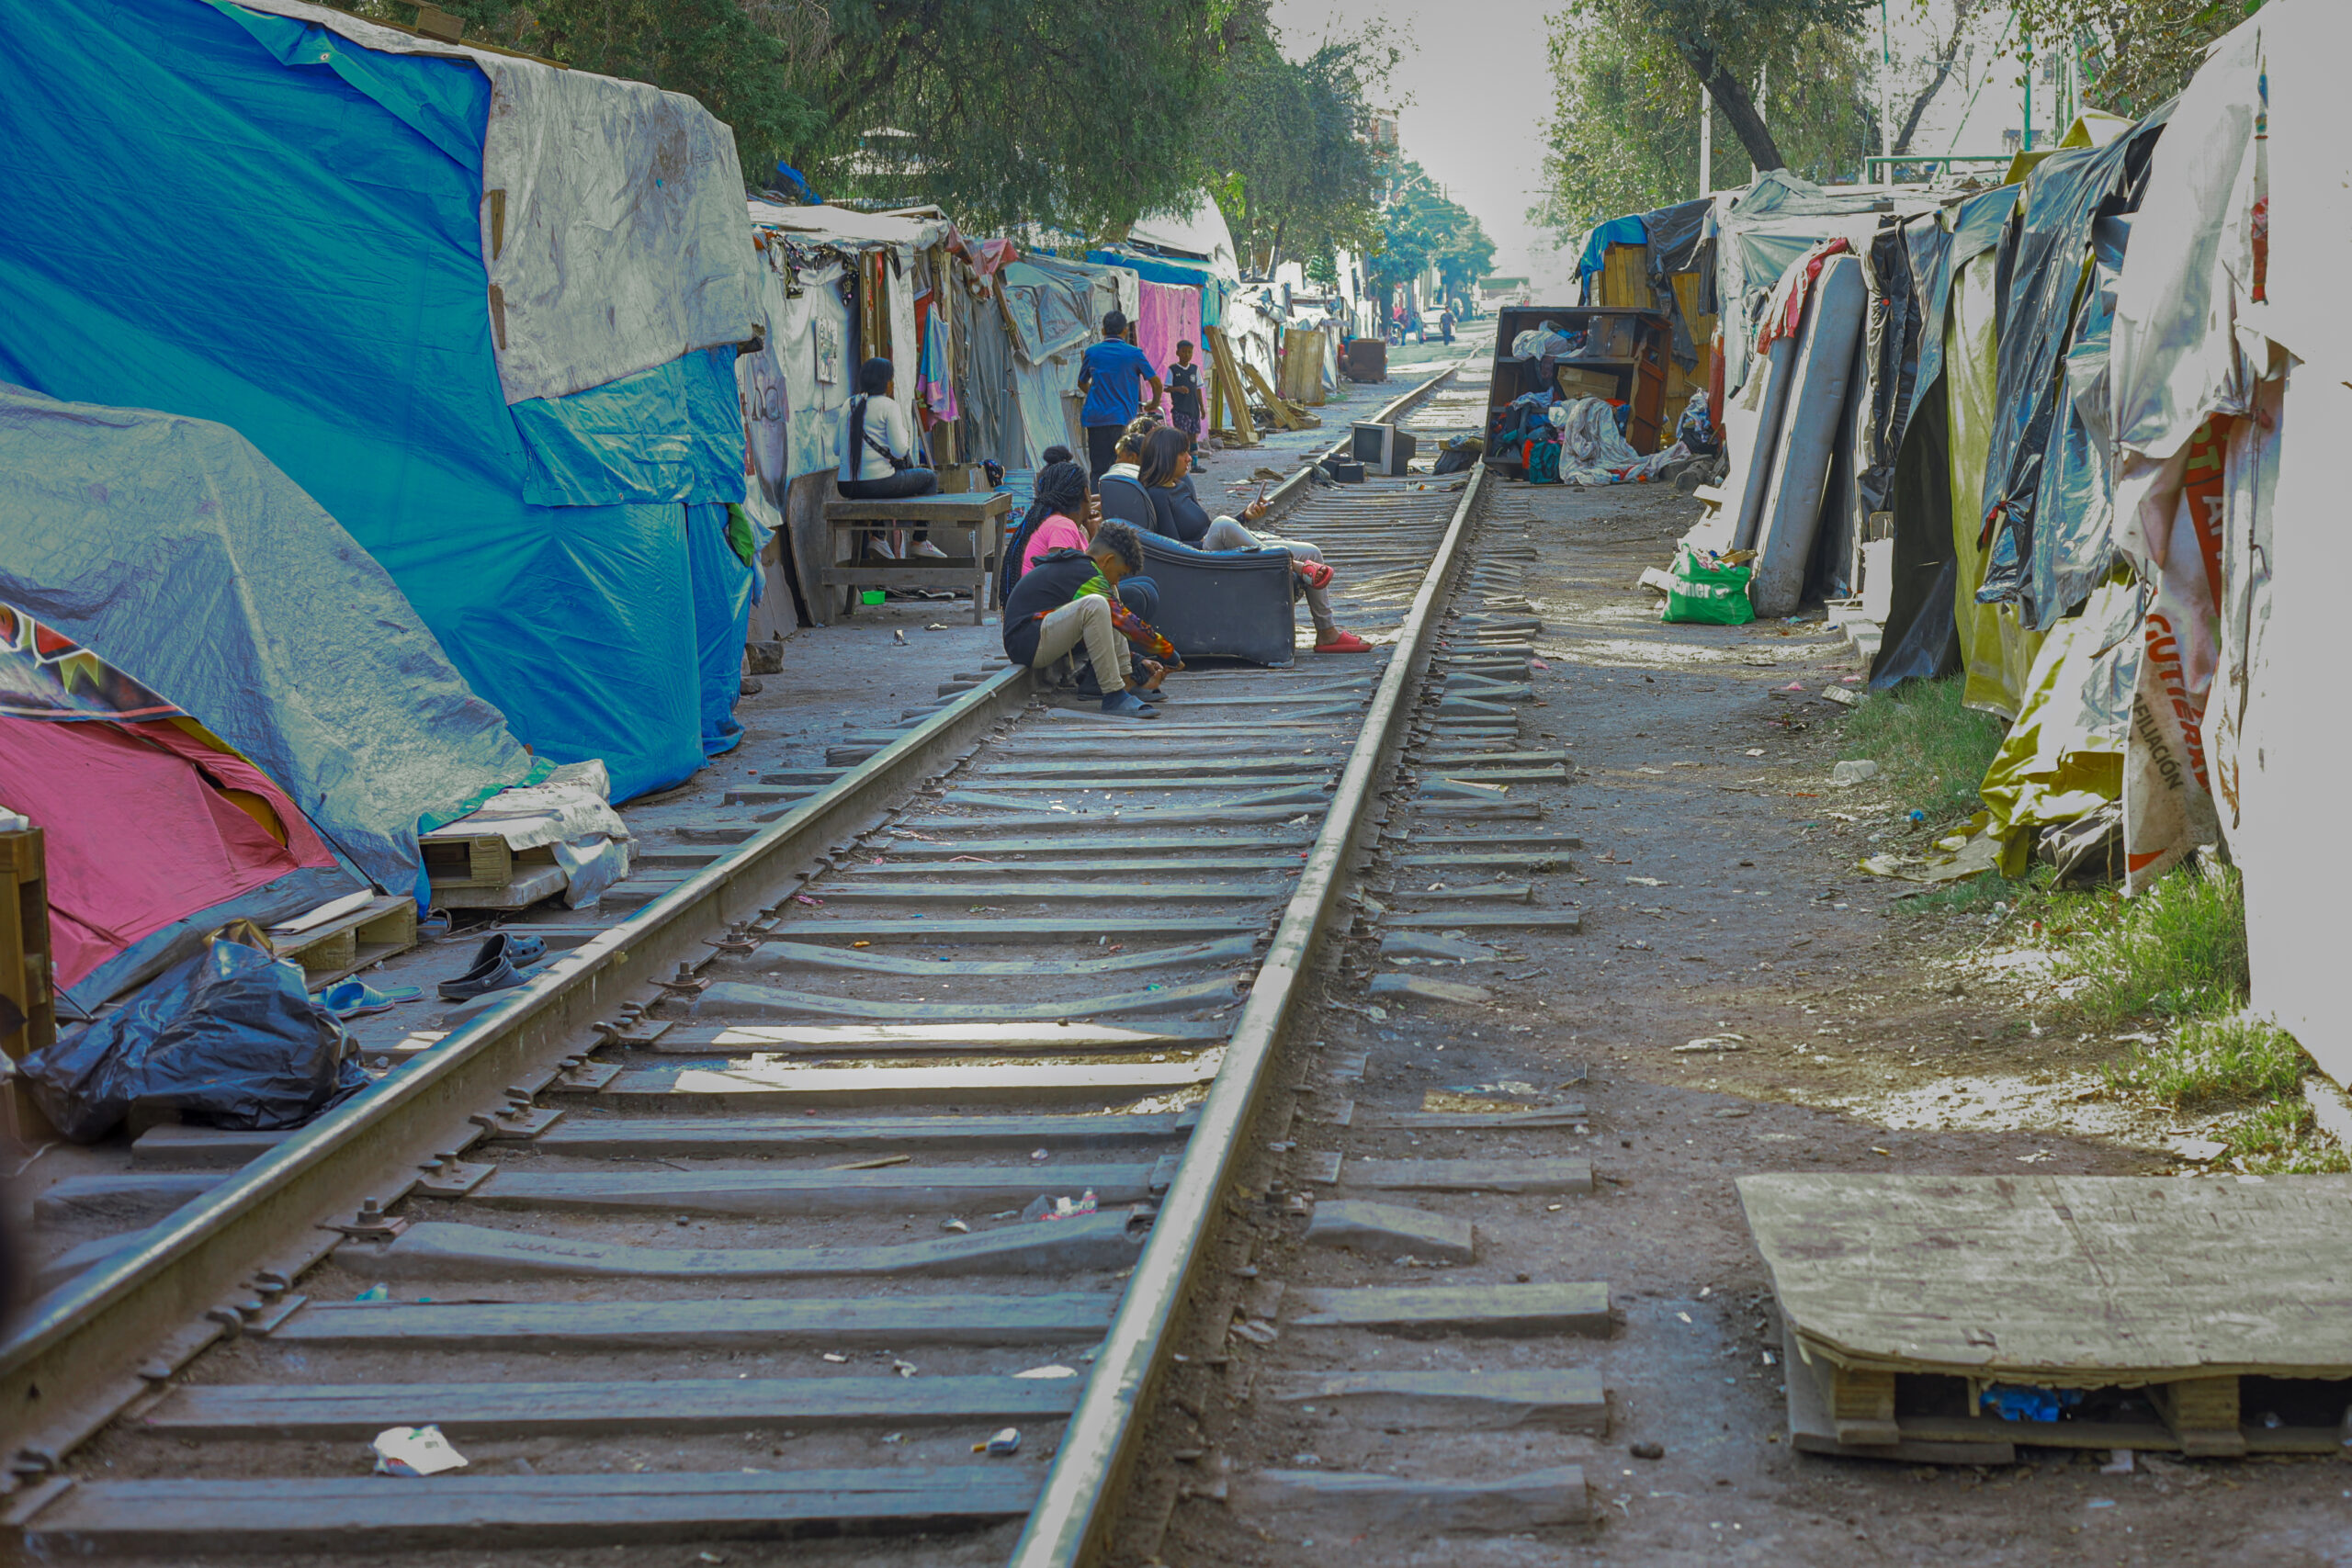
(200,568)
(2048,255)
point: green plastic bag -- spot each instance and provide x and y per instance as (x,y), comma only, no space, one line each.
(1709,595)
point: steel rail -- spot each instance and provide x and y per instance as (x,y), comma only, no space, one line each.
(68,1367)
(93,1344)
(1077,1509)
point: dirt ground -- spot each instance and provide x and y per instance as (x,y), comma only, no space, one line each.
(1721,901)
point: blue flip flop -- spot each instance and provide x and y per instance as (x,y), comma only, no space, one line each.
(357,998)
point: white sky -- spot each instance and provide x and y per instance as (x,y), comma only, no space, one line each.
(1479,85)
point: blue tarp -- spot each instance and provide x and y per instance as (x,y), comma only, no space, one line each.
(241,218)
(202,570)
(1616,231)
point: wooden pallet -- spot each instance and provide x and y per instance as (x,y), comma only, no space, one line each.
(352,940)
(2164,1301)
(27,1005)
(479,871)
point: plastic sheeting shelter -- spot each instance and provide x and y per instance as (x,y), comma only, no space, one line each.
(156,831)
(202,569)
(2231,342)
(481,310)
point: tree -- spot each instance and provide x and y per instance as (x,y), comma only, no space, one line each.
(1623,134)
(2136,53)
(1292,171)
(1963,12)
(1714,39)
(1422,227)
(1082,115)
(711,50)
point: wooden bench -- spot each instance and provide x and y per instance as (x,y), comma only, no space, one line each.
(857,521)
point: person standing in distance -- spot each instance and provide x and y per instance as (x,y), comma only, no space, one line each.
(1111,375)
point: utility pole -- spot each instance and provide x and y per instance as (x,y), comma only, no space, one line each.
(1706,142)
(1763,93)
(1885,94)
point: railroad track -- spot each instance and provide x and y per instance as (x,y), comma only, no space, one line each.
(902,1121)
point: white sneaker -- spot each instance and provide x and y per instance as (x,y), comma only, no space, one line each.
(882,547)
(925,548)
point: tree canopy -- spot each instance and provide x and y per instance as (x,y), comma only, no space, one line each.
(1623,132)
(1422,227)
(2136,53)
(1721,43)
(1294,173)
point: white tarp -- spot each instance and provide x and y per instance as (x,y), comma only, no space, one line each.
(621,242)
(2229,304)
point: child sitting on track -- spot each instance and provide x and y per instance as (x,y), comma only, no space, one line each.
(1071,598)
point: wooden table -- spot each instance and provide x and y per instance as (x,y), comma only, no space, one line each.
(983,513)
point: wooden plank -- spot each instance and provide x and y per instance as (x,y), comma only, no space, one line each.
(1117,927)
(802,955)
(783,1084)
(2070,1281)
(1210,810)
(1084,759)
(1496,892)
(952,1190)
(1142,780)
(1493,859)
(861,892)
(983,836)
(1811,1430)
(916,1039)
(1570,1401)
(1427,990)
(1529,920)
(1499,1120)
(1363,1503)
(1385,1230)
(172,1519)
(880,1322)
(1515,1178)
(2202,1413)
(1500,1310)
(1516,840)
(135,1198)
(1124,866)
(649,1136)
(1485,759)
(1093,819)
(1435,944)
(437,1249)
(730,998)
(482,1411)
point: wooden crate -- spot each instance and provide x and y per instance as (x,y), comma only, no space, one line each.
(28,1002)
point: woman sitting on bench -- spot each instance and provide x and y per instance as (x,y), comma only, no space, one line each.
(878,458)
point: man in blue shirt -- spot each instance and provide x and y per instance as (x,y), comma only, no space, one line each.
(1111,375)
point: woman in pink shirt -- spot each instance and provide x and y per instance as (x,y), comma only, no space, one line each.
(1060,518)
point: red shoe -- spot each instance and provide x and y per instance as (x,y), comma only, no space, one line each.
(1341,642)
(1315,573)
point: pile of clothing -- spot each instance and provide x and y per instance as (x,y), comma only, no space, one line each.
(1577,441)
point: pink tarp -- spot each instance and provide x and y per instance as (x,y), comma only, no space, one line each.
(1168,313)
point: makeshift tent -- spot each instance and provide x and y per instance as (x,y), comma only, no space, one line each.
(481,309)
(202,569)
(2229,358)
(156,831)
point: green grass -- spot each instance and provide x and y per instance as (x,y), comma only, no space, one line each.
(1977,895)
(2179,949)
(2213,1060)
(1930,750)
(2282,1138)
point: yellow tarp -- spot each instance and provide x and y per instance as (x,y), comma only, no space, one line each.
(2063,756)
(1995,647)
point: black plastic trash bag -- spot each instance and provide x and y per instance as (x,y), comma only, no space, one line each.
(229,1038)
